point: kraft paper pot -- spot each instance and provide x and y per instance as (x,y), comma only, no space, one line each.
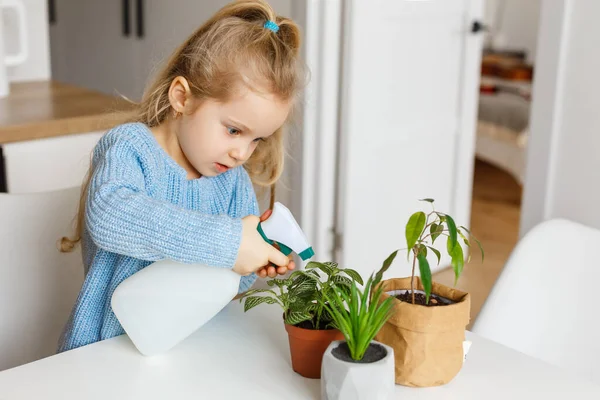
(427,341)
(307,347)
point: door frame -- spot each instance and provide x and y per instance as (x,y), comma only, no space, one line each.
(546,116)
(316,173)
(465,149)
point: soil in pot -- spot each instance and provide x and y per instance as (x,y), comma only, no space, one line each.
(374,353)
(420,299)
(311,324)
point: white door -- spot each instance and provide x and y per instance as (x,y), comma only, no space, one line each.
(408,109)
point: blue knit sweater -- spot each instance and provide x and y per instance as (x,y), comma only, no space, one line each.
(141,208)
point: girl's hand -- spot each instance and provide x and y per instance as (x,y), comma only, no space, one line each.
(254,253)
(269,270)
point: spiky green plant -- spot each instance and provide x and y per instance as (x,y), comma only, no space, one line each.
(300,295)
(360,314)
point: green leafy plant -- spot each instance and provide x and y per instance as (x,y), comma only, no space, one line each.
(360,314)
(422,230)
(301,294)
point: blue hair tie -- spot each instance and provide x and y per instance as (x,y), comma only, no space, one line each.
(271,26)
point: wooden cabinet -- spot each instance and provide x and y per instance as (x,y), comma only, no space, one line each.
(48,131)
(42,165)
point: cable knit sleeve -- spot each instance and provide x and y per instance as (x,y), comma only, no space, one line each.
(244,203)
(123,219)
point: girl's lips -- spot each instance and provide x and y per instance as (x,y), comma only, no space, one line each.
(221,167)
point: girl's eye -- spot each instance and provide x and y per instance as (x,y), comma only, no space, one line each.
(233,131)
(259,139)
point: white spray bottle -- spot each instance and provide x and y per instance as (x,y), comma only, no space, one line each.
(165,302)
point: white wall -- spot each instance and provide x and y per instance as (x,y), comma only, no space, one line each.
(37,66)
(563,172)
(518,24)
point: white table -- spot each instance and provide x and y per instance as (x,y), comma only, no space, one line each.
(240,355)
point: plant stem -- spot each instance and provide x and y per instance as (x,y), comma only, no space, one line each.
(412,279)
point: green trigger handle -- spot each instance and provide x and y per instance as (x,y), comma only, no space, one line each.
(282,247)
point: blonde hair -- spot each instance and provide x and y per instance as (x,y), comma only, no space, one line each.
(232,45)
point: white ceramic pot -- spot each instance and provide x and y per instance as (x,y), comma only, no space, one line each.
(345,380)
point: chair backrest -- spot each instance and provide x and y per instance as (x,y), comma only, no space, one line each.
(38,283)
(545,302)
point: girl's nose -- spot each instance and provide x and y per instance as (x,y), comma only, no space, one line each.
(240,153)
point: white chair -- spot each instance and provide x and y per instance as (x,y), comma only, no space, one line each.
(38,283)
(545,302)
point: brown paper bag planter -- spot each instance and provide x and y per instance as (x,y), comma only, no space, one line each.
(427,327)
(427,341)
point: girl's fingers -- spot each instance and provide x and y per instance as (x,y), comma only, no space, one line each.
(265,216)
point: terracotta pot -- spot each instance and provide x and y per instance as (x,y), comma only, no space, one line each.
(427,341)
(307,347)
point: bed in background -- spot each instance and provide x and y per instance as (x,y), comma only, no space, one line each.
(503,124)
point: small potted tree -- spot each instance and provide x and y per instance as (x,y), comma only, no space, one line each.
(359,367)
(307,321)
(427,329)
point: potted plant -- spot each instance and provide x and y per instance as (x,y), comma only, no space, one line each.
(427,329)
(306,320)
(359,367)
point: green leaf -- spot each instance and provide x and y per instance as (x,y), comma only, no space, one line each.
(435,230)
(341,281)
(253,291)
(458,262)
(327,268)
(464,238)
(253,301)
(303,285)
(276,282)
(452,231)
(384,267)
(311,307)
(285,300)
(477,241)
(353,274)
(295,317)
(427,200)
(414,228)
(425,275)
(437,253)
(331,264)
(363,317)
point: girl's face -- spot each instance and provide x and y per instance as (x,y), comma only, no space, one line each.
(219,136)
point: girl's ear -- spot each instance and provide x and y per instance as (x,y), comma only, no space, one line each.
(180,94)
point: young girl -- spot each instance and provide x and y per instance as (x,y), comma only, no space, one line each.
(175,181)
